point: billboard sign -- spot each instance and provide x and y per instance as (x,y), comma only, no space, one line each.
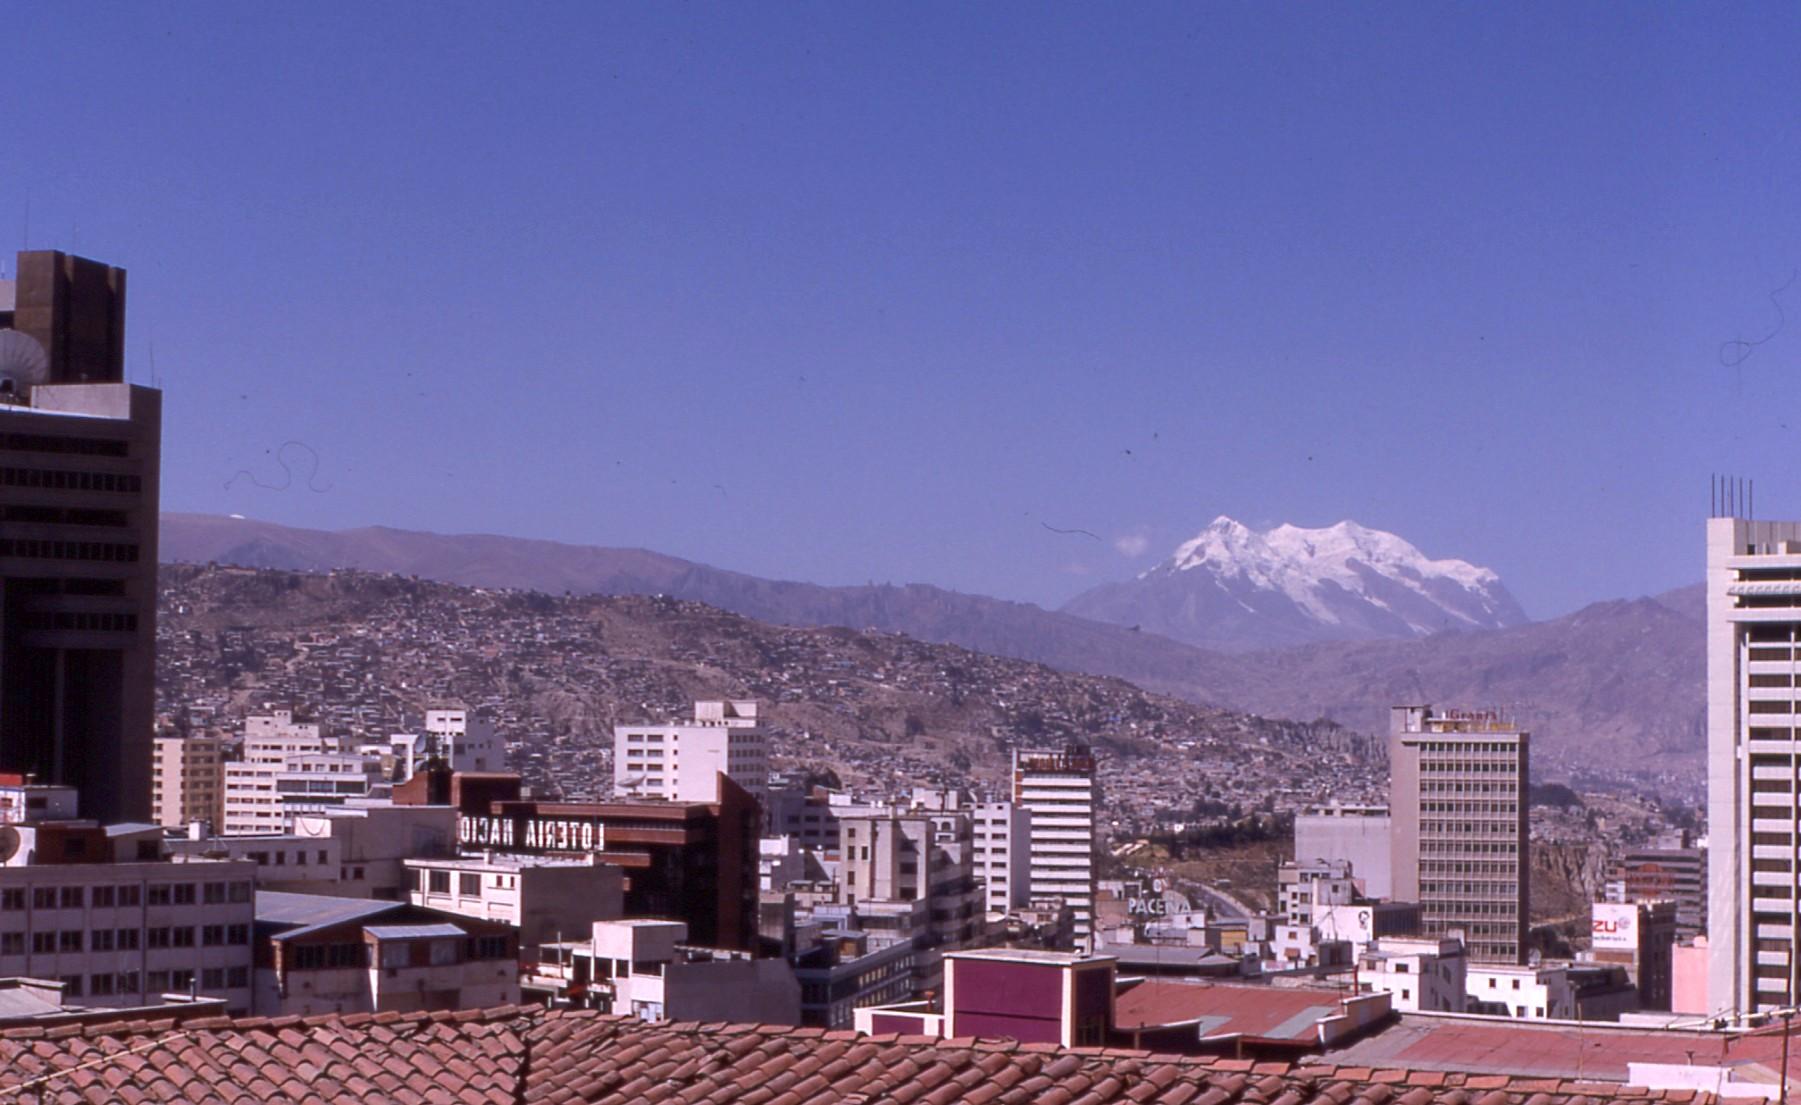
(1615,926)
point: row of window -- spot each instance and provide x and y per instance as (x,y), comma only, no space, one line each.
(83,620)
(58,479)
(46,942)
(1471,828)
(49,443)
(469,885)
(1466,747)
(69,550)
(124,895)
(212,980)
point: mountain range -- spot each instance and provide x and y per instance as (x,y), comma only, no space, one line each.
(1236,588)
(1613,690)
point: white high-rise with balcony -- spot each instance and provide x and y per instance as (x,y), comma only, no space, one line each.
(1753,765)
(1059,790)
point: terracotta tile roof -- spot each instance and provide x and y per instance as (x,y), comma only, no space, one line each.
(519,1054)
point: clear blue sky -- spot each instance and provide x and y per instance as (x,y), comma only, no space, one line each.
(859,292)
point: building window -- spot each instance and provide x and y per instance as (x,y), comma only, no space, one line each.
(240,891)
(237,934)
(128,940)
(214,893)
(101,940)
(439,882)
(237,976)
(158,981)
(159,938)
(72,897)
(43,897)
(12,898)
(103,899)
(161,894)
(469,886)
(12,943)
(212,935)
(130,895)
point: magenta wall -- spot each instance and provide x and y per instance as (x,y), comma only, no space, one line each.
(999,998)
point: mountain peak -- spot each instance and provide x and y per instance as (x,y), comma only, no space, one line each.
(1234,586)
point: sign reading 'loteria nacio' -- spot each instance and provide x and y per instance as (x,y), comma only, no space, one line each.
(535,834)
(1616,925)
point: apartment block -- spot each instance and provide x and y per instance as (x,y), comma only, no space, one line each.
(1060,791)
(289,768)
(1003,842)
(102,911)
(682,761)
(1459,806)
(187,781)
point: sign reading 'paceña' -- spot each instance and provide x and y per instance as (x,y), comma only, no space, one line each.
(547,834)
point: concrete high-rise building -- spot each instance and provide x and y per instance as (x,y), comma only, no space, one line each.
(1061,793)
(79,460)
(1458,807)
(187,781)
(1753,643)
(1002,855)
(682,762)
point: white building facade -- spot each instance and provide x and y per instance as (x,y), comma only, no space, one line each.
(1060,791)
(681,762)
(1753,763)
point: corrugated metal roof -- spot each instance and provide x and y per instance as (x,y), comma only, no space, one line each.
(412,932)
(305,912)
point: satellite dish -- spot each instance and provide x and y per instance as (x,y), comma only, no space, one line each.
(9,842)
(23,364)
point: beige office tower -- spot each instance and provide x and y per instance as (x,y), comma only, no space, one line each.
(79,456)
(1458,801)
(187,782)
(1753,643)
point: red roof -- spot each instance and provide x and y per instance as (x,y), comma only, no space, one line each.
(1225,1010)
(1555,1049)
(519,1054)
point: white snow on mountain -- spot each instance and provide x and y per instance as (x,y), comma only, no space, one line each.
(1235,587)
(1297,562)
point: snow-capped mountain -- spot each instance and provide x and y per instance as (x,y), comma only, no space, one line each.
(1237,588)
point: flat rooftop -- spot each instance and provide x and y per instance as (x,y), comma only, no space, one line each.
(1226,1010)
(1552,1049)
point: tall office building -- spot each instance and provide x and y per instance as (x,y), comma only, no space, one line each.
(79,459)
(1457,809)
(1059,790)
(1753,642)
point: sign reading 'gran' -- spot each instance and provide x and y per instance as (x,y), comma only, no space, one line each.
(534,834)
